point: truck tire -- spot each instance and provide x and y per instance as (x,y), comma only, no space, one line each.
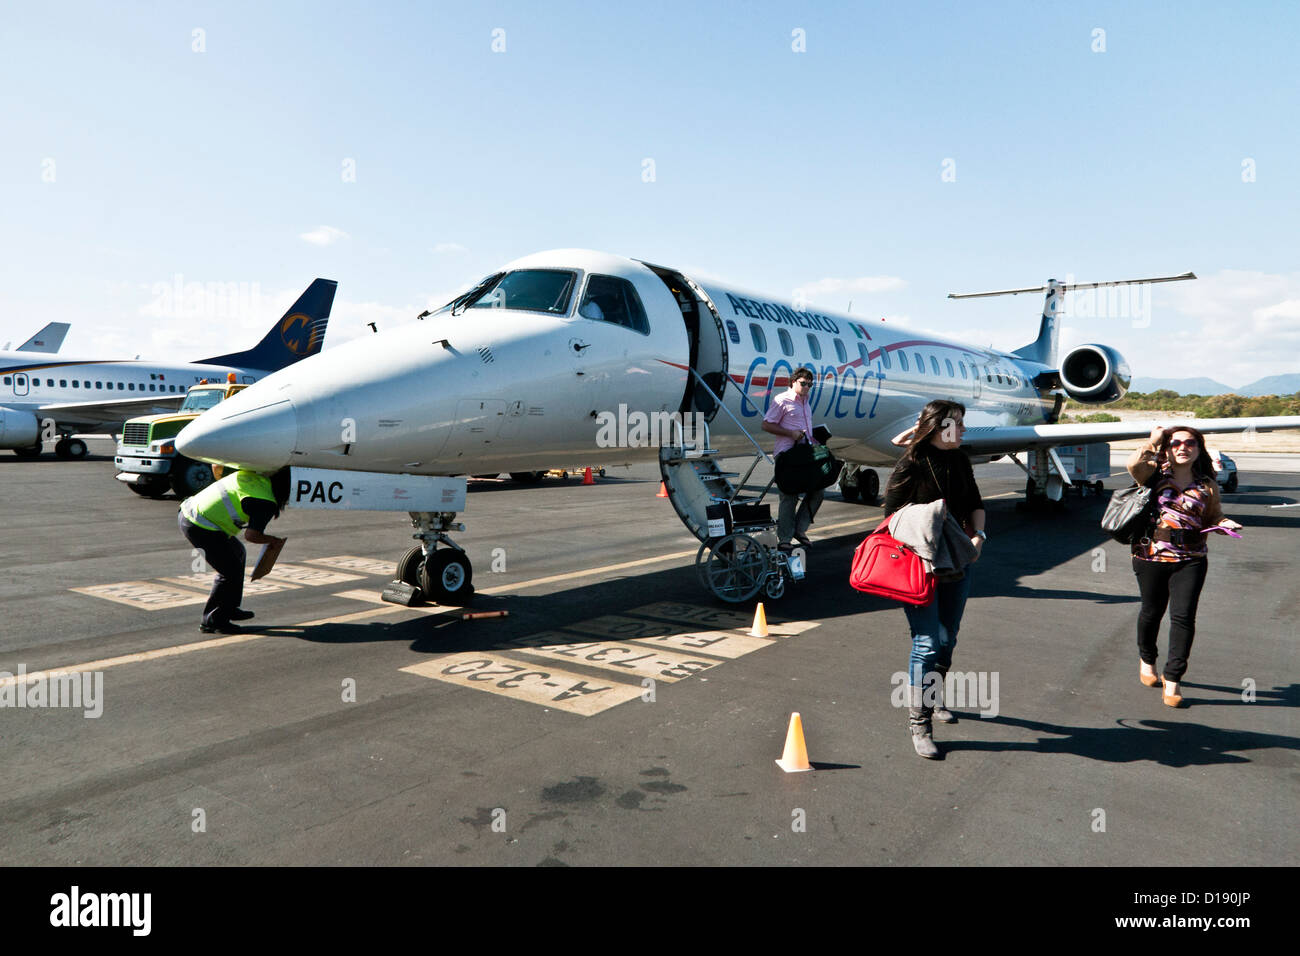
(149,489)
(189,477)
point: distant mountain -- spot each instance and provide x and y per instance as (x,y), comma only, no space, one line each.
(1272,385)
(1186,386)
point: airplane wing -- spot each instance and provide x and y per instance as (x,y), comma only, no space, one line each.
(110,411)
(1004,439)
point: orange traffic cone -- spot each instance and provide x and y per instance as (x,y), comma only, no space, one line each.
(663,490)
(586,477)
(795,758)
(760,622)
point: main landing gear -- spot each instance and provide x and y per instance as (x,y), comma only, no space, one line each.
(445,576)
(68,447)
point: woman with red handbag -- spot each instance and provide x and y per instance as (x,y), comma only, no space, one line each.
(934,467)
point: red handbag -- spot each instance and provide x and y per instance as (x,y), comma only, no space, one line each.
(884,567)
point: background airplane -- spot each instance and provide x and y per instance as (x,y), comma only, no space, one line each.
(43,400)
(531,366)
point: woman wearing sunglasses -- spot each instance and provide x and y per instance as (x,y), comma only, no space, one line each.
(1170,561)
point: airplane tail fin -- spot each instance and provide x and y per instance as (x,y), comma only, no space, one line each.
(48,339)
(1044,348)
(300,332)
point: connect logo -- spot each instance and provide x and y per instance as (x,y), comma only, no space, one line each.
(298,332)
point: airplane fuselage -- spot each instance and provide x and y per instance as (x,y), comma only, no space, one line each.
(524,377)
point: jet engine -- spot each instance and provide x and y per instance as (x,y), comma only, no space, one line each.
(1094,374)
(18,429)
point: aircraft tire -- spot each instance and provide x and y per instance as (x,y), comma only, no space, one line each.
(189,477)
(76,448)
(869,485)
(408,569)
(445,578)
(1231,484)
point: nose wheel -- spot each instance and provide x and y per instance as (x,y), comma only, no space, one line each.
(445,577)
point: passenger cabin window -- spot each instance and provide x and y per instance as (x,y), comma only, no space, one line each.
(63,383)
(525,290)
(609,299)
(948,363)
(814,347)
(961,367)
(759,339)
(8,380)
(934,365)
(920,363)
(863,354)
(902,361)
(787,343)
(884,357)
(842,353)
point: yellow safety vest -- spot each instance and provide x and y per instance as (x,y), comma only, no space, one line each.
(220,506)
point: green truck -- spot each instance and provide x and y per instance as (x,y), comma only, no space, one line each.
(146,459)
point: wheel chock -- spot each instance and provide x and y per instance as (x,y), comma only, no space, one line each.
(795,758)
(399,592)
(760,623)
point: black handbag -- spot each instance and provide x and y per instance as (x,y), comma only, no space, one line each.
(1131,511)
(806,468)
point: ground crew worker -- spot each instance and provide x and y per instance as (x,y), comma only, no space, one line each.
(211,521)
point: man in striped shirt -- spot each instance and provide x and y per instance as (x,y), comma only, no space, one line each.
(790,419)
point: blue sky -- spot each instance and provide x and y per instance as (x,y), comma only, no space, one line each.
(132,158)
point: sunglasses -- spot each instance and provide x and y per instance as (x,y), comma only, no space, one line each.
(803,381)
(1183,442)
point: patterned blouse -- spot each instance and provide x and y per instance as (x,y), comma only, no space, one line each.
(1191,509)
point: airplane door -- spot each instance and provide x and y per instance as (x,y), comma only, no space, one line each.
(708,342)
(20,384)
(478,422)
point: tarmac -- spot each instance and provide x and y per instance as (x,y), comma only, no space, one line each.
(619,714)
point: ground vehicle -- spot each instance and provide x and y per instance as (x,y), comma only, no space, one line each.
(1225,470)
(147,460)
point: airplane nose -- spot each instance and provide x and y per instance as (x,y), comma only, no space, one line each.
(259,438)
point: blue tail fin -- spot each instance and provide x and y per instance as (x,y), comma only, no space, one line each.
(300,332)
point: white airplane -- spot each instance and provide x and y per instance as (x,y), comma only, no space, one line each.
(563,355)
(45,398)
(48,339)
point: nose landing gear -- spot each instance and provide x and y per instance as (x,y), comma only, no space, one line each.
(445,576)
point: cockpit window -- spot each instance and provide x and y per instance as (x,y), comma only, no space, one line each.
(609,299)
(202,399)
(530,290)
(526,290)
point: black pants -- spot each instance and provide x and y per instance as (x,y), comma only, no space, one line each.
(1160,583)
(226,555)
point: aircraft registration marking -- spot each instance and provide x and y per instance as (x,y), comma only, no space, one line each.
(300,574)
(560,689)
(630,660)
(712,643)
(625,628)
(143,594)
(350,562)
(693,614)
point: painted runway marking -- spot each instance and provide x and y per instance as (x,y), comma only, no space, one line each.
(563,690)
(350,562)
(300,574)
(624,628)
(630,660)
(143,594)
(204,583)
(161,652)
(712,643)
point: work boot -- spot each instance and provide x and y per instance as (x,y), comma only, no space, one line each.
(942,713)
(919,720)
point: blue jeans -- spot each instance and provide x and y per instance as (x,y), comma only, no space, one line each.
(934,629)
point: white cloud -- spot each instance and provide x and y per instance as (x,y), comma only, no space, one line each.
(865,285)
(448,247)
(323,235)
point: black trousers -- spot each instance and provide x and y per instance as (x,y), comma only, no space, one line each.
(226,555)
(1163,583)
